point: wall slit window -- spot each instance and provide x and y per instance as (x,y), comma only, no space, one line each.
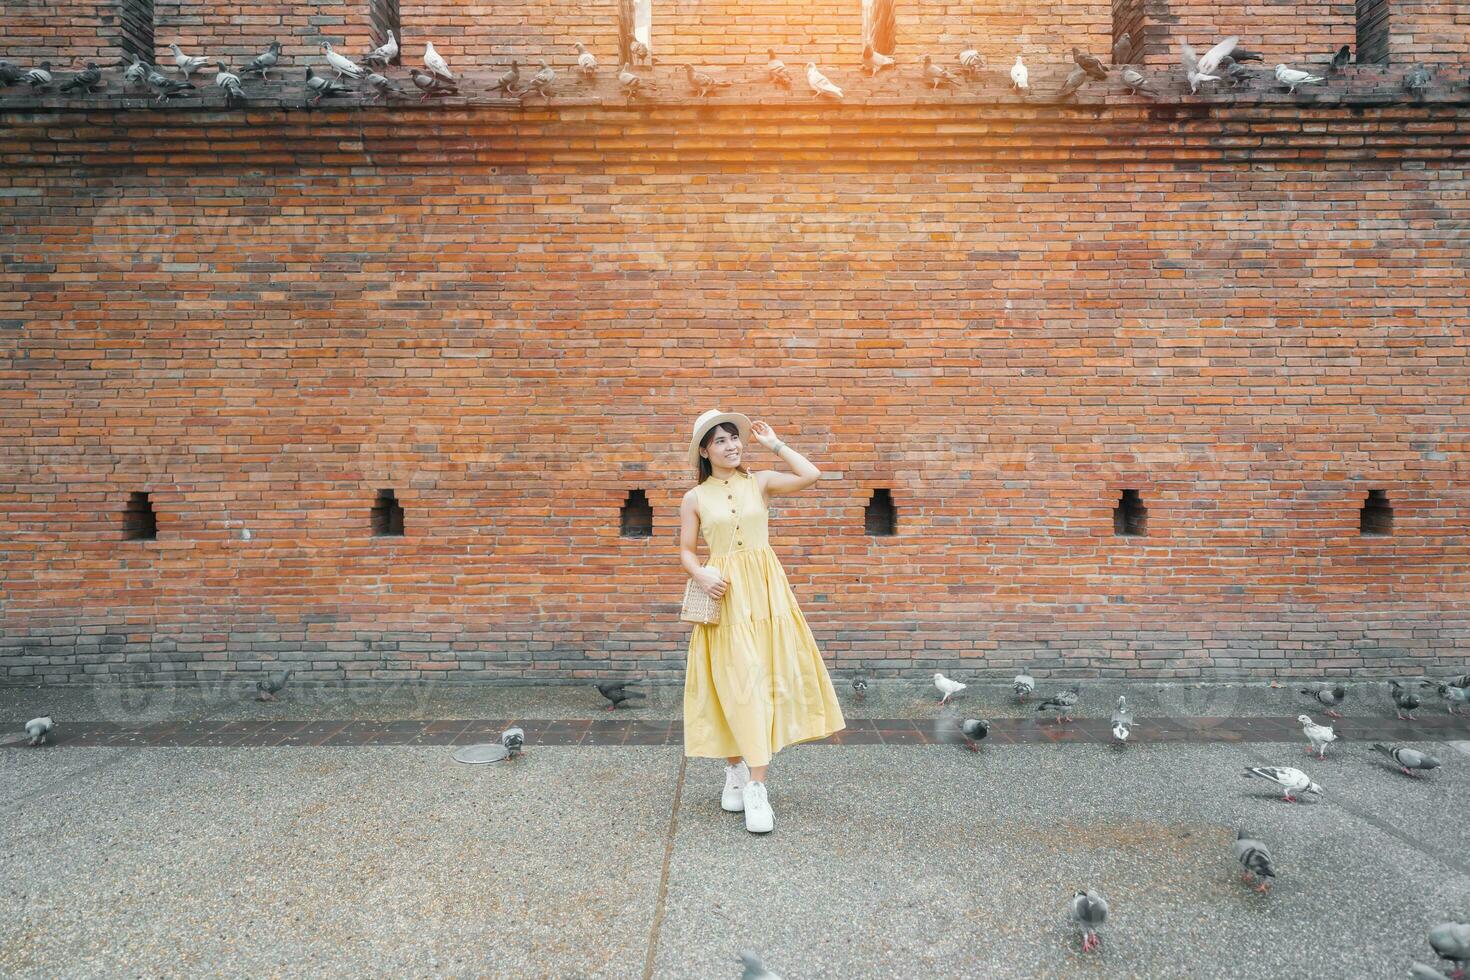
(139,521)
(1376,517)
(1130,517)
(387,515)
(879,518)
(637,517)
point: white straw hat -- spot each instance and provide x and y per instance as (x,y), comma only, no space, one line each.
(708,421)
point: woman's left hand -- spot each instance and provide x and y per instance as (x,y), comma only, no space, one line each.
(764,434)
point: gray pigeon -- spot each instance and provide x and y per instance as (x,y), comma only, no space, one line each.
(1418,971)
(1122,723)
(266,60)
(1408,760)
(1089,914)
(1064,702)
(1456,696)
(39,77)
(39,729)
(136,73)
(1076,78)
(1133,78)
(89,80)
(230,82)
(382,87)
(951,728)
(755,968)
(540,82)
(266,690)
(1122,50)
(322,87)
(937,75)
(860,687)
(701,82)
(1090,64)
(1023,685)
(617,693)
(777,71)
(1255,861)
(508,79)
(514,740)
(1451,941)
(1404,701)
(1341,59)
(166,87)
(1417,80)
(433,85)
(9,74)
(1328,697)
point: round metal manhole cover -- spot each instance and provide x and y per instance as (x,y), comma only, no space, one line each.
(486,752)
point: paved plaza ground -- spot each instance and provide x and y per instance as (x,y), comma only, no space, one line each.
(176,832)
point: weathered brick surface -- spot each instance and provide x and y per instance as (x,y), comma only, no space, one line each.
(1432,31)
(1301,34)
(237,32)
(59,31)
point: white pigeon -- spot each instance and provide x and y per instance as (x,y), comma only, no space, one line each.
(1024,685)
(341,65)
(1198,69)
(1122,722)
(1210,61)
(820,84)
(947,687)
(1020,77)
(1290,780)
(755,968)
(136,72)
(1291,78)
(436,63)
(586,63)
(39,728)
(1318,735)
(187,63)
(384,53)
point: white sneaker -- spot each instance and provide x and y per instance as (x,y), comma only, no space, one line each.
(758,816)
(732,800)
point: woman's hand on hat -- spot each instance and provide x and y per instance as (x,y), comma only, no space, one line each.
(764,434)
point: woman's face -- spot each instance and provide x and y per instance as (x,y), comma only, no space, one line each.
(724,448)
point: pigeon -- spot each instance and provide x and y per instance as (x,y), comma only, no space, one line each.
(1122,722)
(38,77)
(1456,696)
(1340,60)
(89,80)
(701,82)
(267,689)
(1409,760)
(230,83)
(972,62)
(1122,50)
(540,82)
(1064,702)
(629,82)
(1291,78)
(166,87)
(322,87)
(1241,54)
(1328,697)
(820,84)
(1133,78)
(776,70)
(1089,913)
(860,687)
(1320,736)
(1090,64)
(947,687)
(39,729)
(266,60)
(639,53)
(1255,861)
(1241,75)
(1417,80)
(1076,78)
(9,74)
(875,62)
(1211,60)
(1195,67)
(341,65)
(508,79)
(1404,701)
(436,64)
(1020,77)
(586,61)
(1023,684)
(1451,941)
(617,693)
(136,73)
(755,968)
(514,740)
(1289,779)
(187,63)
(383,54)
(949,727)
(1418,971)
(937,75)
(1462,681)
(381,86)
(432,85)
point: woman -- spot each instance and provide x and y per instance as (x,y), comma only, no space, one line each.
(755,682)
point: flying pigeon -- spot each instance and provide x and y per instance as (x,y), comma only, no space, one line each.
(1194,65)
(187,63)
(38,77)
(1405,702)
(342,66)
(1076,78)
(971,61)
(947,687)
(432,85)
(267,689)
(617,693)
(875,62)
(266,60)
(1020,77)
(508,79)
(436,64)
(166,87)
(322,87)
(1122,722)
(937,75)
(1417,80)
(1023,684)
(776,70)
(1340,60)
(1329,697)
(820,84)
(381,86)
(514,740)
(1319,735)
(39,729)
(1210,61)
(1289,779)
(1122,50)
(1451,941)
(1255,861)
(860,687)
(1133,78)
(1456,696)
(1291,78)
(1090,64)
(755,968)
(1064,702)
(701,82)
(230,82)
(383,54)
(1089,913)
(1409,760)
(586,61)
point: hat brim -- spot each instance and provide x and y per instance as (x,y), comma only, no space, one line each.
(742,424)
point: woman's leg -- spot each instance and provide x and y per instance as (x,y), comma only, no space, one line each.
(757,774)
(734,760)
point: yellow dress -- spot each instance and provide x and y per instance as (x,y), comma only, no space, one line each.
(755,681)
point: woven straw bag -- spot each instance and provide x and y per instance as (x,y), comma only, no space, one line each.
(698,606)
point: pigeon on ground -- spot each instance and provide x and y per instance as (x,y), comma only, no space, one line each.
(436,64)
(1417,80)
(1122,50)
(937,75)
(433,85)
(1133,78)
(1328,697)
(1089,914)
(947,687)
(89,80)
(776,70)
(1289,779)
(617,693)
(1122,722)
(1451,941)
(1405,702)
(1340,60)
(322,87)
(874,62)
(509,79)
(1199,70)
(166,87)
(859,687)
(266,60)
(381,87)
(972,62)
(1090,64)
(1455,696)
(342,65)
(1023,684)
(586,61)
(38,77)
(820,84)
(640,54)
(951,728)
(136,73)
(630,83)
(1255,861)
(701,82)
(1020,77)
(514,740)
(1411,761)
(1076,78)
(383,54)
(755,968)
(1064,702)
(1291,78)
(230,83)
(1462,681)
(267,689)
(39,729)
(9,74)
(1319,735)
(1418,971)
(187,63)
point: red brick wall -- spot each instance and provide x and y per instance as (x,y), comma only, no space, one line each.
(1299,33)
(237,32)
(59,31)
(1433,31)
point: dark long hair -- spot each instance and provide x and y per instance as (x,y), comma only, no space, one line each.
(706,470)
